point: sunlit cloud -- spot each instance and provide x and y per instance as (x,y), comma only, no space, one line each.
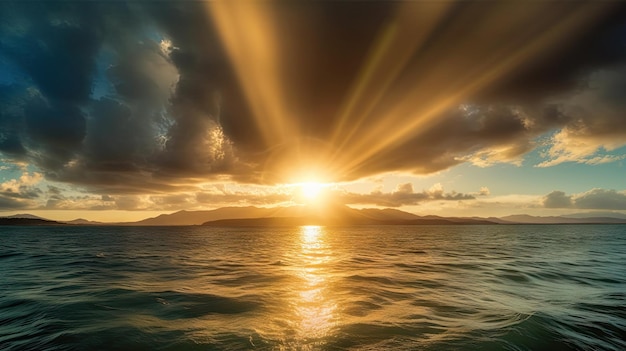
(570,147)
(402,195)
(20,192)
(26,179)
(596,124)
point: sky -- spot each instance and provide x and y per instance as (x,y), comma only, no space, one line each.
(122,110)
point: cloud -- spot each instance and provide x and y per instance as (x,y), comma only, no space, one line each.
(484,191)
(401,196)
(132,202)
(601,199)
(596,199)
(8,203)
(60,63)
(87,202)
(597,123)
(99,203)
(557,199)
(201,198)
(220,194)
(144,99)
(21,192)
(22,187)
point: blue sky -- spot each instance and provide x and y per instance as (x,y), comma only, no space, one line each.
(120,110)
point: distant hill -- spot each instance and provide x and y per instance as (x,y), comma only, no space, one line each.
(81,221)
(331,214)
(526,219)
(27,221)
(199,217)
(494,220)
(595,214)
(341,215)
(300,221)
(387,214)
(26,216)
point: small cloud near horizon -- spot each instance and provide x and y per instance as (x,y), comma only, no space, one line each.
(594,199)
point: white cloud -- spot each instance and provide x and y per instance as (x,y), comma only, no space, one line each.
(512,154)
(594,199)
(568,146)
(25,180)
(604,159)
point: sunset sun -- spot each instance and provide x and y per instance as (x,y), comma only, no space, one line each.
(311,190)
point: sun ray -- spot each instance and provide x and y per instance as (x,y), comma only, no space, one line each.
(407,120)
(358,136)
(245,28)
(390,53)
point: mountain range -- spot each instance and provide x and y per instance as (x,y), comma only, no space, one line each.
(311,215)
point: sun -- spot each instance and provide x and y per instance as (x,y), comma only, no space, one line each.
(311,190)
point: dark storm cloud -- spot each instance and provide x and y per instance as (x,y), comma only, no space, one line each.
(53,47)
(597,199)
(54,44)
(133,127)
(560,68)
(11,121)
(56,131)
(144,97)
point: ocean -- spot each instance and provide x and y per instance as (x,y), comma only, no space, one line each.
(491,287)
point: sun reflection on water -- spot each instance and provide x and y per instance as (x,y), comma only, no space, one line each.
(310,234)
(315,308)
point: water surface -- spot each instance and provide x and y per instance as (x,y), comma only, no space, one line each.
(498,287)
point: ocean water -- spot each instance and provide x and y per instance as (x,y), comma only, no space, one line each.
(499,287)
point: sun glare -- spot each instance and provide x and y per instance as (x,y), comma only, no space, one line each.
(311,190)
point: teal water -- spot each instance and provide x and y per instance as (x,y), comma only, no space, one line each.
(535,287)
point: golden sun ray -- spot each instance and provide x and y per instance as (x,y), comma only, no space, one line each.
(406,119)
(249,33)
(245,28)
